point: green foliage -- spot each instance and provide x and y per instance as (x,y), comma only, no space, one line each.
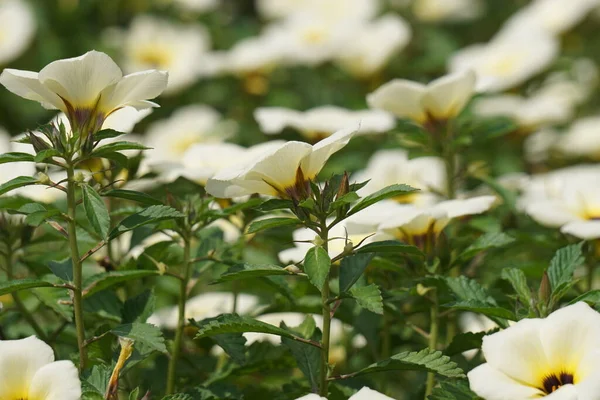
(247,271)
(352,268)
(316,266)
(383,194)
(16,183)
(95,210)
(21,284)
(368,297)
(150,215)
(145,336)
(562,267)
(270,223)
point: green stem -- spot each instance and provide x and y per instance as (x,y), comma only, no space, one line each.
(324,234)
(17,299)
(433,339)
(77,268)
(181,321)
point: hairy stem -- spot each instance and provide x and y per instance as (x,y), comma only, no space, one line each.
(433,339)
(77,267)
(181,321)
(324,383)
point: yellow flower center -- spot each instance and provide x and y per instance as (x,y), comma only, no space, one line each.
(553,382)
(155,57)
(314,36)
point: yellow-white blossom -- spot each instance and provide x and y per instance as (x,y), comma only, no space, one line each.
(178,48)
(581,139)
(196,6)
(448,10)
(349,10)
(88,88)
(321,122)
(474,323)
(554,358)
(363,394)
(373,44)
(28,371)
(283,171)
(441,99)
(508,60)
(17,29)
(390,167)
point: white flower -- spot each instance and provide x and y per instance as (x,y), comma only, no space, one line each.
(169,139)
(206,305)
(17,28)
(373,45)
(363,394)
(346,10)
(196,6)
(568,198)
(539,145)
(581,139)
(253,55)
(283,171)
(508,59)
(177,48)
(320,122)
(551,15)
(448,10)
(87,88)
(475,323)
(389,167)
(28,371)
(442,99)
(554,358)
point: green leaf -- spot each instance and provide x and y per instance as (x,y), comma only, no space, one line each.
(351,268)
(316,265)
(107,134)
(117,146)
(139,308)
(453,390)
(517,279)
(234,323)
(21,284)
(468,289)
(234,345)
(148,215)
(308,358)
(144,335)
(263,224)
(465,341)
(563,265)
(385,193)
(275,204)
(104,280)
(592,297)
(390,246)
(62,269)
(486,242)
(132,195)
(368,297)
(16,183)
(424,360)
(95,211)
(15,157)
(45,154)
(484,308)
(248,271)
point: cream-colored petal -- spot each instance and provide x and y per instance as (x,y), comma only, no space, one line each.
(314,162)
(587,230)
(19,362)
(124,120)
(589,387)
(273,120)
(567,392)
(56,381)
(491,384)
(447,96)
(134,89)
(400,97)
(369,394)
(311,396)
(550,213)
(27,85)
(518,351)
(462,207)
(80,80)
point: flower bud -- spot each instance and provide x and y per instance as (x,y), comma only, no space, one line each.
(545,290)
(293,269)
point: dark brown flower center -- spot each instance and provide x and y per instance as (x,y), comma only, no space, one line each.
(553,382)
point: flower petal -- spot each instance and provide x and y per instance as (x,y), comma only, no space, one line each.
(27,85)
(133,88)
(56,381)
(314,162)
(19,362)
(80,80)
(311,396)
(124,119)
(369,394)
(447,96)
(460,208)
(587,230)
(492,384)
(400,97)
(273,120)
(552,213)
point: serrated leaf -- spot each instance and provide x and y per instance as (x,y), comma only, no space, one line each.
(144,335)
(117,146)
(592,297)
(390,247)
(139,308)
(484,308)
(270,223)
(21,284)
(15,157)
(234,345)
(517,279)
(275,204)
(95,211)
(424,360)
(563,265)
(486,242)
(132,195)
(316,265)
(465,341)
(468,289)
(148,215)
(62,269)
(248,271)
(385,193)
(234,323)
(104,280)
(351,269)
(179,396)
(16,183)
(368,297)
(453,390)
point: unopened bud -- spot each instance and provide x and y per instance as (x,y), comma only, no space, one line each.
(344,187)
(38,143)
(317,241)
(349,247)
(422,290)
(79,177)
(44,179)
(545,290)
(162,268)
(293,269)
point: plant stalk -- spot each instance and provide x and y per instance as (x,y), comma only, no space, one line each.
(324,383)
(433,338)
(172,371)
(77,267)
